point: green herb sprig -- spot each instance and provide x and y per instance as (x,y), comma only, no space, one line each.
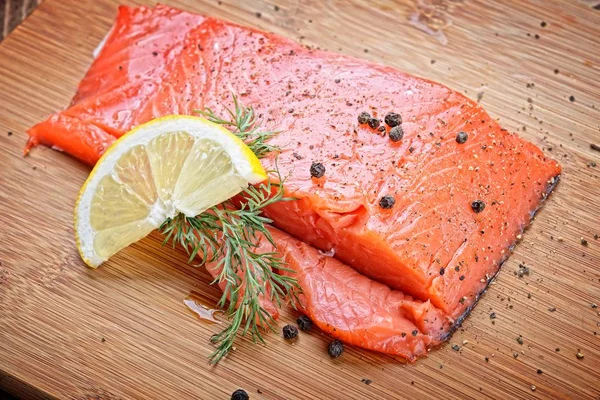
(230,235)
(244,123)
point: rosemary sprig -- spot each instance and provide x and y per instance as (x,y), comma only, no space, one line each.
(230,236)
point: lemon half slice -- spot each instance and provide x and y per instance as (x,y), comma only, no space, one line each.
(170,165)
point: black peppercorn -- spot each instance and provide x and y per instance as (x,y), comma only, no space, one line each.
(335,349)
(290,331)
(304,323)
(415,332)
(393,119)
(317,170)
(442,271)
(381,128)
(478,206)
(374,123)
(520,340)
(396,133)
(240,394)
(387,202)
(461,137)
(364,117)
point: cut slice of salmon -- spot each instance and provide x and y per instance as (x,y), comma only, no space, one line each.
(453,208)
(358,310)
(353,308)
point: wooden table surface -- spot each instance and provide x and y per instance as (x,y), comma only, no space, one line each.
(122,331)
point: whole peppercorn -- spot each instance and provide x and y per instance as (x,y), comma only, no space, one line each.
(374,123)
(335,349)
(240,394)
(317,170)
(478,206)
(290,332)
(461,137)
(393,119)
(387,202)
(364,117)
(396,133)
(304,323)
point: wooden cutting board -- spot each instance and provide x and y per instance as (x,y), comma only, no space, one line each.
(122,331)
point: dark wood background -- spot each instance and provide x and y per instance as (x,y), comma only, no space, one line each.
(13,12)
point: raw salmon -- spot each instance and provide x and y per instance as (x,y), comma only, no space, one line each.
(354,308)
(432,215)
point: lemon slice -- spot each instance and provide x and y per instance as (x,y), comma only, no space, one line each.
(170,165)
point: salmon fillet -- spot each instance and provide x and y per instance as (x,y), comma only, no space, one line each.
(457,207)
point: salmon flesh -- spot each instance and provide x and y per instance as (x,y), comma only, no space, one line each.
(418,226)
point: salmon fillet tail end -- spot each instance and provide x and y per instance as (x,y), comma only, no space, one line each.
(420,219)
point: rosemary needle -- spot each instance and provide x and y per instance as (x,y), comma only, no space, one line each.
(229,236)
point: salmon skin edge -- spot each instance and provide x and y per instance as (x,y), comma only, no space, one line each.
(458,322)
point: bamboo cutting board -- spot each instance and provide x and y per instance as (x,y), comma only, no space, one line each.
(122,331)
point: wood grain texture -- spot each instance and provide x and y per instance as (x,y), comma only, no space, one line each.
(54,311)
